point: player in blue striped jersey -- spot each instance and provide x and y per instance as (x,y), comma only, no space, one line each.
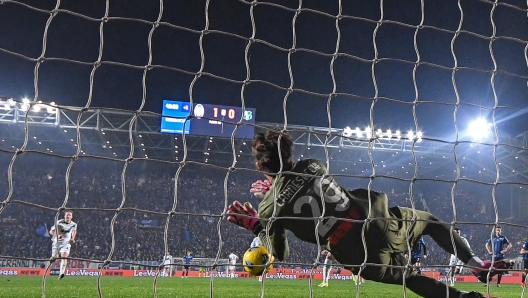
(524,252)
(418,251)
(497,246)
(187,259)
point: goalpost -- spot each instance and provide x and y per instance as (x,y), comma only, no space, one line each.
(383,93)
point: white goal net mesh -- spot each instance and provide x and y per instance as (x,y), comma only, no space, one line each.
(384,93)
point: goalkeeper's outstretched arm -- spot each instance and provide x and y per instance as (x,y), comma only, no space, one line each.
(247,217)
(277,242)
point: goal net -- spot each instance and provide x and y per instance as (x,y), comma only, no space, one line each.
(138,116)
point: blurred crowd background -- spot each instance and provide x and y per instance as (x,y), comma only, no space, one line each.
(138,226)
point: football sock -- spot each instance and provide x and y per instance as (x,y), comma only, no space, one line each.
(63,266)
(326,271)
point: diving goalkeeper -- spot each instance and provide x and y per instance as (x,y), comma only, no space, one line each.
(303,194)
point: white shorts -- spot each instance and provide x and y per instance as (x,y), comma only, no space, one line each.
(453,261)
(329,262)
(63,248)
(231,267)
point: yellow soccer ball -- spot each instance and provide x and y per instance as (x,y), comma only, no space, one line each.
(257,260)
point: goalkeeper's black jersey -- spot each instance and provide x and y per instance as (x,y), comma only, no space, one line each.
(295,202)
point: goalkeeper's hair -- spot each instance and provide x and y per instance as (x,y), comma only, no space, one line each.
(68,211)
(265,150)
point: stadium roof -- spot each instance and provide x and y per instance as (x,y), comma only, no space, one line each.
(112,134)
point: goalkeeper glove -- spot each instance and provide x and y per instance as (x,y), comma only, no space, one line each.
(245,216)
(259,188)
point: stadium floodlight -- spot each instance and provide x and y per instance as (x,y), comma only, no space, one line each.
(398,134)
(379,133)
(410,135)
(368,132)
(6,105)
(347,132)
(51,109)
(24,106)
(419,135)
(359,133)
(479,129)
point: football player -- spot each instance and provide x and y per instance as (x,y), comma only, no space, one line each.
(232,264)
(167,267)
(61,237)
(303,196)
(327,268)
(418,251)
(187,259)
(524,253)
(455,264)
(497,246)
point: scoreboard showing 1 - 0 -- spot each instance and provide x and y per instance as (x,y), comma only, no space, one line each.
(208,120)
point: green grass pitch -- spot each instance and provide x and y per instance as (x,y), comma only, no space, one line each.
(113,287)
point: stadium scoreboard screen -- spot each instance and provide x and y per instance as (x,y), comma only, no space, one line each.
(209,120)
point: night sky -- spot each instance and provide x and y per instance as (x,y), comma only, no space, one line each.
(73,42)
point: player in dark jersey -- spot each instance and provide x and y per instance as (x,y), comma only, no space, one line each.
(187,259)
(418,251)
(303,199)
(524,253)
(497,246)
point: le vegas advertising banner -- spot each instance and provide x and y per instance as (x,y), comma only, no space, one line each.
(513,277)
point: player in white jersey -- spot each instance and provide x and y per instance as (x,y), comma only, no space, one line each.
(455,264)
(67,230)
(329,260)
(232,261)
(327,268)
(167,267)
(257,242)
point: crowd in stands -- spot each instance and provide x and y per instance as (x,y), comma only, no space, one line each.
(149,218)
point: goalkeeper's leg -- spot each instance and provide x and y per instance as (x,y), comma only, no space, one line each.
(428,224)
(419,284)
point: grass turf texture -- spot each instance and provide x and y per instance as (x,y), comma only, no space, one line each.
(113,287)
